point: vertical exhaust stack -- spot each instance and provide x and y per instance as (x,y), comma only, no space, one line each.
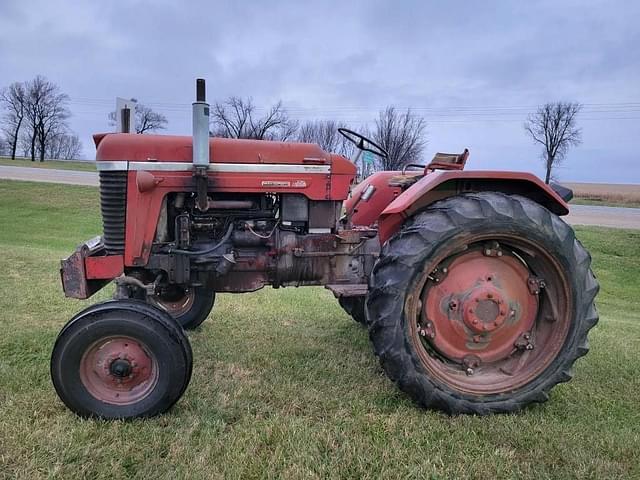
(200,126)
(201,145)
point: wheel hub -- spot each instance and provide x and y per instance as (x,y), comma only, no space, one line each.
(480,308)
(485,309)
(176,301)
(118,370)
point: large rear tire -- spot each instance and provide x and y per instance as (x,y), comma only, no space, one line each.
(354,306)
(481,303)
(120,360)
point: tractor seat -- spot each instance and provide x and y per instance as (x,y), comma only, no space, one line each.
(448,161)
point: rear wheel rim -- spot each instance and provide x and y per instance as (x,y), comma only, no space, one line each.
(119,370)
(176,302)
(490,314)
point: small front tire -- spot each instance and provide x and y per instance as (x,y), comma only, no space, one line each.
(121,360)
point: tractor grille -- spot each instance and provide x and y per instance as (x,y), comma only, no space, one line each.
(113,201)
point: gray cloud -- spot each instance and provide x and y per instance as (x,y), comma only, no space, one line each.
(346,60)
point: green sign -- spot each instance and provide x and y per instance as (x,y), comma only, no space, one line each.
(367,158)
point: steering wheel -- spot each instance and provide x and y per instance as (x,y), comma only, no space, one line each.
(359,141)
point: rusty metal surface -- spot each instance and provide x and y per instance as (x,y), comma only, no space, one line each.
(480,307)
(479,325)
(353,290)
(73,271)
(176,301)
(119,370)
(74,281)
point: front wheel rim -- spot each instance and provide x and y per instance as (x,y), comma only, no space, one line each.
(490,314)
(119,370)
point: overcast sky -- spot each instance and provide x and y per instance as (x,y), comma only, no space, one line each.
(472,69)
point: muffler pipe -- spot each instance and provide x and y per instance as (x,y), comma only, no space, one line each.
(200,144)
(200,125)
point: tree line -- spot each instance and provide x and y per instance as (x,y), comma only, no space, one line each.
(401,133)
(34,117)
(34,121)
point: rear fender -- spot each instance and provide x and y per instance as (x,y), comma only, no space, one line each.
(439,185)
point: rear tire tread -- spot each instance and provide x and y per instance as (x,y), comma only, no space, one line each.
(417,239)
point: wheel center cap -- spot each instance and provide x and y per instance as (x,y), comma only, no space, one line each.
(485,310)
(120,368)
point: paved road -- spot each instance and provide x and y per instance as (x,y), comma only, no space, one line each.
(580,214)
(616,217)
(72,177)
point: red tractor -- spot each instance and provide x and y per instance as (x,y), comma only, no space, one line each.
(477,297)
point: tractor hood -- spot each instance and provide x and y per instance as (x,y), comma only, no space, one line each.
(173,148)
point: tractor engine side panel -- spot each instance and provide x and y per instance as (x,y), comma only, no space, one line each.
(146,190)
(291,259)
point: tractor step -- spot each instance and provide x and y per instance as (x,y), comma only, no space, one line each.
(357,290)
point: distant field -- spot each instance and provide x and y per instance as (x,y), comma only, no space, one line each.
(611,194)
(58,164)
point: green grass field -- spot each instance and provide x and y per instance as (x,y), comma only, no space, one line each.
(285,384)
(58,164)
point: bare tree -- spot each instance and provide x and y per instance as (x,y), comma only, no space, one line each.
(147,120)
(325,133)
(64,146)
(13,99)
(47,112)
(237,118)
(400,134)
(554,127)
